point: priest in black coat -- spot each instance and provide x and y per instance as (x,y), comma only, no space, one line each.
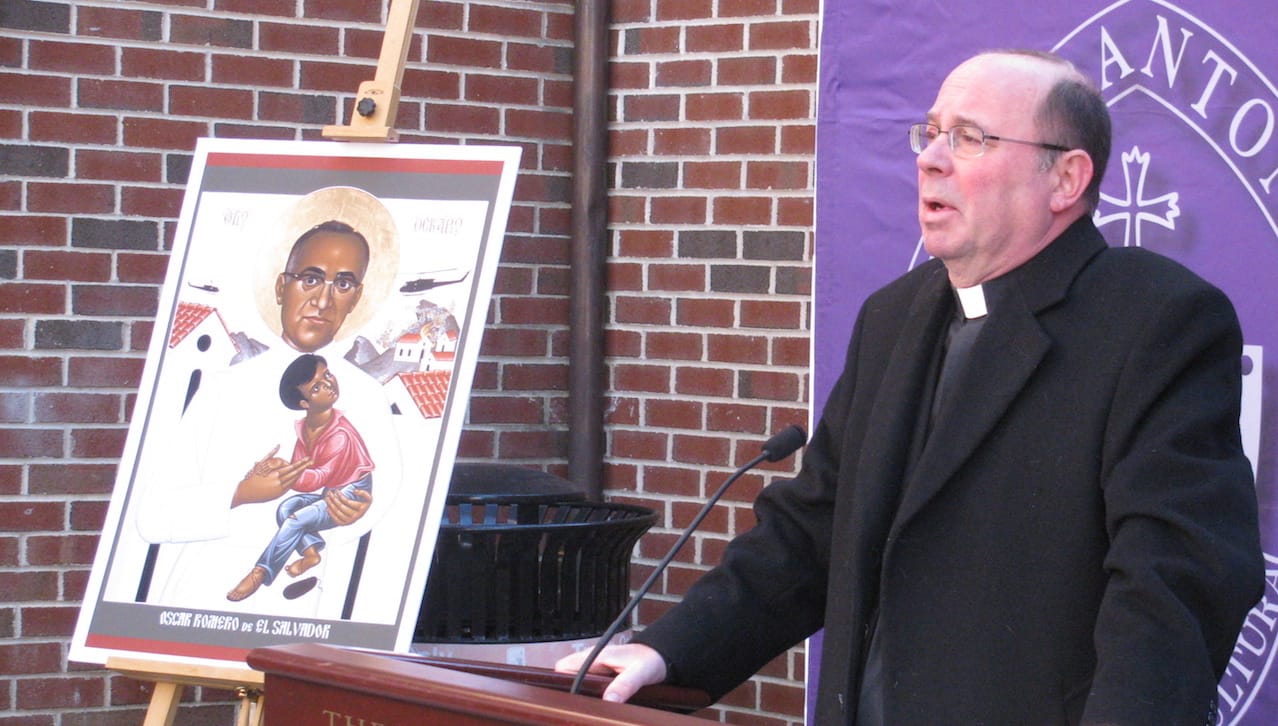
(1026,500)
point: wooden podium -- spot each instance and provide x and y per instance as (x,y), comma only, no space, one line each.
(319,685)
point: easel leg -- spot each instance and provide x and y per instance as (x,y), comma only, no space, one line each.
(250,707)
(164,704)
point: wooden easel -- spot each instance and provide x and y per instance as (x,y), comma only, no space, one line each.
(375,105)
(377,100)
(171,678)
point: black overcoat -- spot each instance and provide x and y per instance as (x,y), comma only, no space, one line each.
(1078,541)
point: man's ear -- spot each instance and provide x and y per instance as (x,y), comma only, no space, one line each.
(1074,172)
(279,289)
(305,404)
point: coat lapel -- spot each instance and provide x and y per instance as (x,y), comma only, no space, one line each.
(1002,362)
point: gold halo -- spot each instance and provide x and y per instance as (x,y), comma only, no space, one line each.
(362,211)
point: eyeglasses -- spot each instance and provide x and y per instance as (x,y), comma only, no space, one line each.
(966,142)
(343,284)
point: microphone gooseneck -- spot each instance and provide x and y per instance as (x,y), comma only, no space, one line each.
(780,446)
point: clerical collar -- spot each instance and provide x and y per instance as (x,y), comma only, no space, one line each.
(972,301)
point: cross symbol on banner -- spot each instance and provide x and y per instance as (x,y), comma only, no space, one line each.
(1134,209)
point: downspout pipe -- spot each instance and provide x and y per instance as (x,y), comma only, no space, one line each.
(587,303)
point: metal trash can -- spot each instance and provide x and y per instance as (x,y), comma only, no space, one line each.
(522,557)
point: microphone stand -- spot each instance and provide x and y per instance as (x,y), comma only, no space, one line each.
(774,449)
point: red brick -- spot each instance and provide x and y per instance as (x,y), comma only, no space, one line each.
(73,407)
(538,124)
(683,141)
(30,658)
(529,444)
(781,105)
(622,344)
(97,443)
(742,210)
(505,409)
(467,52)
(141,267)
(14,407)
(679,210)
(623,75)
(438,85)
(721,38)
(706,312)
(651,107)
(298,38)
(770,314)
(632,377)
(33,230)
(533,310)
(622,411)
(283,8)
(75,479)
(337,77)
(130,300)
(120,95)
(642,311)
(674,346)
(30,443)
(642,445)
(51,622)
(535,377)
(791,352)
(768,385)
(781,35)
(88,516)
(746,140)
(70,198)
(451,117)
(27,371)
(714,107)
(77,128)
(506,89)
(64,549)
(704,382)
(712,175)
(25,298)
(736,418)
(162,133)
(692,73)
(9,547)
(84,692)
(87,58)
(795,212)
(29,516)
(677,414)
(343,10)
(11,123)
(210,102)
(118,23)
(36,91)
(150,201)
(769,175)
(220,32)
(166,64)
(11,333)
(252,71)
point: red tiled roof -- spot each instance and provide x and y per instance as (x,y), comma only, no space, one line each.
(188,317)
(428,389)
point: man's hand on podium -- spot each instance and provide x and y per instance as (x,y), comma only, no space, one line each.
(636,666)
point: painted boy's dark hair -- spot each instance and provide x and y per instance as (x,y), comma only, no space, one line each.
(300,371)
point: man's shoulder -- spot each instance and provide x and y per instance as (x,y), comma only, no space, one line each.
(1146,268)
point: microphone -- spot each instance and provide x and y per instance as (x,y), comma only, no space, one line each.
(789,440)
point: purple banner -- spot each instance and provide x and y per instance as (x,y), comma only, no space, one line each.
(1193,175)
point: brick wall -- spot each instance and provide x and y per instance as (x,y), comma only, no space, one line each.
(710,206)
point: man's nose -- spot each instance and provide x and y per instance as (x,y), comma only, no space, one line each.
(323,297)
(936,155)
